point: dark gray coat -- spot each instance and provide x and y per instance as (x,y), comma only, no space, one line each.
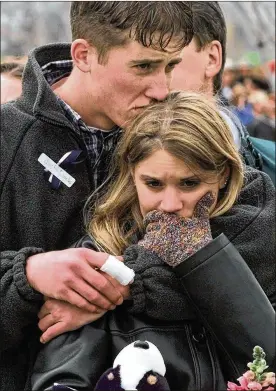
(34,217)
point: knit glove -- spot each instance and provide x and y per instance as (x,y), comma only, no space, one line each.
(175,238)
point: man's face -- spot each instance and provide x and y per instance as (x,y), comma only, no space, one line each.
(11,88)
(190,75)
(133,77)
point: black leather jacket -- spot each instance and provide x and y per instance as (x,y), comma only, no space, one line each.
(226,313)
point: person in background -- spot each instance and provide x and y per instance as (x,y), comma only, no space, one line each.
(263,124)
(226,92)
(240,105)
(256,83)
(203,66)
(205,57)
(11,81)
(270,108)
(196,233)
(259,101)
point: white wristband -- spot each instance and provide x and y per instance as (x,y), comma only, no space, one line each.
(118,270)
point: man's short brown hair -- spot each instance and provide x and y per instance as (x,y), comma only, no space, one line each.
(107,24)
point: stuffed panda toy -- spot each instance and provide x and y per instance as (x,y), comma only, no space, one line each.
(139,366)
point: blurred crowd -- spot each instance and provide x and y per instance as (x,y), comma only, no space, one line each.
(250,94)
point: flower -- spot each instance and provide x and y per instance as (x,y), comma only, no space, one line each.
(249,375)
(254,385)
(255,378)
(232,386)
(244,381)
(269,379)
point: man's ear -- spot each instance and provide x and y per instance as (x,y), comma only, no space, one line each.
(215,59)
(82,53)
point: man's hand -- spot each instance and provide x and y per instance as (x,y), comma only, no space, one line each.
(70,275)
(58,317)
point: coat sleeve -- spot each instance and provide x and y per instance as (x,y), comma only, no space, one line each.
(250,227)
(19,302)
(76,359)
(230,302)
(221,291)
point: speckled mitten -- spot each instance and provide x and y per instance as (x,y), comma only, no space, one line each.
(175,238)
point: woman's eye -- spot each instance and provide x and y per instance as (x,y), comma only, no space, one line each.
(189,184)
(153,183)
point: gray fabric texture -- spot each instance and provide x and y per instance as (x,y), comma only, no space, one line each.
(33,215)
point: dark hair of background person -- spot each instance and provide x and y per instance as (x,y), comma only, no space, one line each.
(261,83)
(12,69)
(209,25)
(258,82)
(107,24)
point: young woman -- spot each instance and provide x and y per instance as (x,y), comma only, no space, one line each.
(200,240)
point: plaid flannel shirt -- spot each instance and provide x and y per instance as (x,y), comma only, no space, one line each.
(100,144)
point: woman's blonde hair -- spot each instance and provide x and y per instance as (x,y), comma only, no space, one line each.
(190,128)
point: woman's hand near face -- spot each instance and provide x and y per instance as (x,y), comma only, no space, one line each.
(176,238)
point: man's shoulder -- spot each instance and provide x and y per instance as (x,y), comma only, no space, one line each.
(250,155)
(14,123)
(14,112)
(8,108)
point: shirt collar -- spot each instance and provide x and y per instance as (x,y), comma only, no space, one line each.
(57,70)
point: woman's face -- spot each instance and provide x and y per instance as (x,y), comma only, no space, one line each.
(165,183)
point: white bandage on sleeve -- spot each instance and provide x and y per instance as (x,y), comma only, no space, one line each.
(118,270)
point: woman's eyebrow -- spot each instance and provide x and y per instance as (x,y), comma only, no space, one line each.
(144,176)
(190,178)
(147,176)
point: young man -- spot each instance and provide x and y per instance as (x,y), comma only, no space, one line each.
(57,141)
(203,65)
(206,54)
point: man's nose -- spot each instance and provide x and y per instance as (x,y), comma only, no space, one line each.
(158,89)
(171,202)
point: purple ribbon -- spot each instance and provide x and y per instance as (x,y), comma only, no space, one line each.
(67,163)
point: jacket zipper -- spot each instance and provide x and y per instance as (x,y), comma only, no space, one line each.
(188,331)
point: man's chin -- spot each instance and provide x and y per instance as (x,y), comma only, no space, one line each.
(130,115)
